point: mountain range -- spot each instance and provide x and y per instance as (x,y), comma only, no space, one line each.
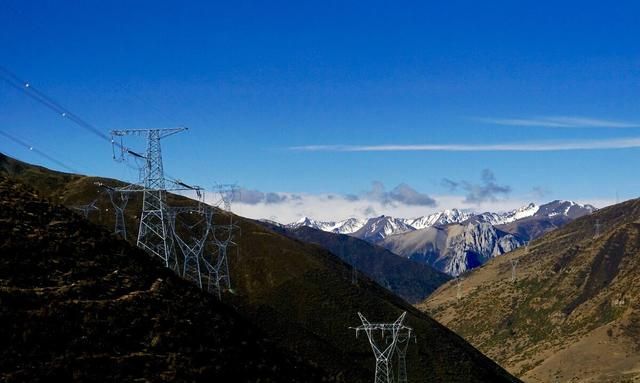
(378,228)
(454,241)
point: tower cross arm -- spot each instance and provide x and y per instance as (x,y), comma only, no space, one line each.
(141,132)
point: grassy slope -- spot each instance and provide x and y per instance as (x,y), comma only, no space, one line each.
(301,295)
(572,315)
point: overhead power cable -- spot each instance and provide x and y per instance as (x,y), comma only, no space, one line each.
(34,93)
(38,151)
(39,96)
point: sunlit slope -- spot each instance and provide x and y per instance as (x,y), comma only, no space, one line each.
(572,314)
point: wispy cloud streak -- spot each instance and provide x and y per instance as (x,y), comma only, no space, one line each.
(561,122)
(548,146)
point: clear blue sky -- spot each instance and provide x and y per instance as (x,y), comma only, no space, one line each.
(253,79)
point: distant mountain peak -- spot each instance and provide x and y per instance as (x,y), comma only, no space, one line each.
(377,228)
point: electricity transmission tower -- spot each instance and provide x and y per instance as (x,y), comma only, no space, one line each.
(459,287)
(153,235)
(86,209)
(192,249)
(404,337)
(118,207)
(119,198)
(597,227)
(383,351)
(223,238)
(514,264)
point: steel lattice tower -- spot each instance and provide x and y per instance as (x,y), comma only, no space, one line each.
(401,350)
(383,352)
(153,235)
(514,265)
(223,238)
(118,206)
(86,209)
(192,250)
(119,198)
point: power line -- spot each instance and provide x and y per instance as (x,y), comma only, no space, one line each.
(37,151)
(34,93)
(39,96)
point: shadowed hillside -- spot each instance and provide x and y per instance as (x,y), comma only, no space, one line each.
(573,313)
(410,280)
(301,295)
(77,304)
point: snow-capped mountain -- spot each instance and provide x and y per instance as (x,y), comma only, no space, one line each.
(568,209)
(454,241)
(445,217)
(393,226)
(459,247)
(507,217)
(347,226)
(378,228)
(310,222)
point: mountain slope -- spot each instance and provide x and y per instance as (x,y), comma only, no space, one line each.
(410,280)
(453,249)
(78,304)
(572,315)
(302,297)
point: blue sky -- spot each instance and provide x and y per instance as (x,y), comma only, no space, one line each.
(262,84)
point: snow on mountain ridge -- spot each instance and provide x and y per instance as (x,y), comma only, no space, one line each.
(346,226)
(444,217)
(393,226)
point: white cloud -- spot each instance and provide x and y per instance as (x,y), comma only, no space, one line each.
(332,207)
(543,146)
(561,122)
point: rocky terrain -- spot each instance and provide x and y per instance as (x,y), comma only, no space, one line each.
(453,249)
(571,315)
